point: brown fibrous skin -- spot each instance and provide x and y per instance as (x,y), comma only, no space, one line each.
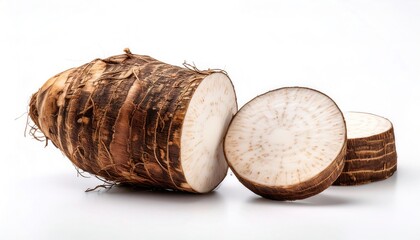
(369,159)
(120,118)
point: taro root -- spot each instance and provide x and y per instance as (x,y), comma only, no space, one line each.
(371,153)
(287,144)
(133,119)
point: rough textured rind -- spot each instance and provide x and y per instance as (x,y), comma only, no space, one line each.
(120,118)
(369,159)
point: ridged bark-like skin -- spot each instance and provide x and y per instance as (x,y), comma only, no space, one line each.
(369,159)
(120,118)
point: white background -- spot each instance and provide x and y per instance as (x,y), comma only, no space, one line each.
(363,54)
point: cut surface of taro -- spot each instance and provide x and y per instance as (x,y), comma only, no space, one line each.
(287,144)
(205,124)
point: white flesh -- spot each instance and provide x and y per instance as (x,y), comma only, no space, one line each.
(360,125)
(209,113)
(285,137)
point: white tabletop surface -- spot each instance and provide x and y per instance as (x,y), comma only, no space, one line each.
(363,54)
